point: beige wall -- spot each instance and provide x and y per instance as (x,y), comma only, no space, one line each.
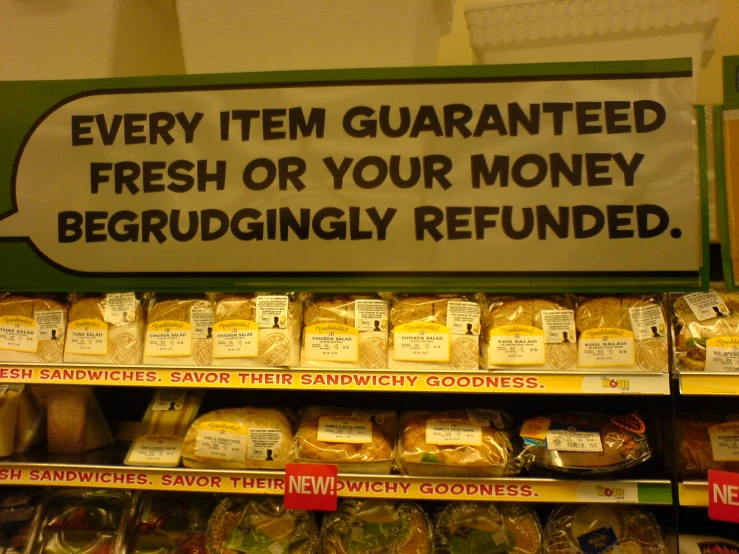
(455,48)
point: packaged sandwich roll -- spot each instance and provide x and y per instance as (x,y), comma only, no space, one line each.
(434,332)
(105,329)
(29,422)
(536,333)
(624,332)
(32,329)
(345,332)
(706,331)
(260,524)
(239,438)
(168,417)
(179,331)
(75,422)
(256,330)
(357,441)
(8,418)
(482,527)
(707,441)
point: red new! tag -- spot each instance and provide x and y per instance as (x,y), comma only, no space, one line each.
(723,496)
(311,487)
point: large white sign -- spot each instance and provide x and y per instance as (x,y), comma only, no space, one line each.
(581,175)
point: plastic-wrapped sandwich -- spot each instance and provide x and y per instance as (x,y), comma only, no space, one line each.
(528,332)
(20,420)
(74,421)
(32,329)
(471,443)
(706,327)
(357,441)
(487,528)
(19,511)
(256,330)
(434,332)
(179,331)
(624,332)
(375,527)
(105,329)
(239,438)
(586,444)
(250,524)
(346,332)
(707,441)
(589,528)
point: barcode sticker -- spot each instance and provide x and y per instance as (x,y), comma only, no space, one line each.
(566,440)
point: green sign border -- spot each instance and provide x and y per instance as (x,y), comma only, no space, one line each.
(23,269)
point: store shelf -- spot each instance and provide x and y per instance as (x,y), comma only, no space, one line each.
(344,380)
(693,493)
(358,486)
(701,383)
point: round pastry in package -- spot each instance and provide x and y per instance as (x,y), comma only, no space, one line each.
(248,524)
(376,527)
(487,528)
(602,529)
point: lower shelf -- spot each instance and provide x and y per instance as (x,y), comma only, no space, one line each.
(349,485)
(693,493)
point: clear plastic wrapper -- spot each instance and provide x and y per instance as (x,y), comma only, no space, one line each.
(239,438)
(706,331)
(346,332)
(251,524)
(487,528)
(537,333)
(586,443)
(260,329)
(628,333)
(29,426)
(357,441)
(74,421)
(179,331)
(171,523)
(9,402)
(83,521)
(105,329)
(602,529)
(707,441)
(376,527)
(32,329)
(169,415)
(435,332)
(471,443)
(19,510)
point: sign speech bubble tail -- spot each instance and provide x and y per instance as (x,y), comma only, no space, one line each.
(13,226)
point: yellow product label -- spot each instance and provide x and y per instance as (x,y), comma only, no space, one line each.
(725,442)
(516,345)
(722,354)
(331,342)
(168,339)
(422,342)
(453,432)
(606,347)
(345,429)
(18,334)
(87,336)
(221,440)
(236,338)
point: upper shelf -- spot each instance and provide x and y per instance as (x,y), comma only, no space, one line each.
(342,380)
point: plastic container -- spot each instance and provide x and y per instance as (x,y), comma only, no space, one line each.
(529,31)
(253,35)
(82,39)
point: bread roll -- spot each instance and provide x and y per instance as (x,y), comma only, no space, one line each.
(239,438)
(582,529)
(274,318)
(361,322)
(179,332)
(481,527)
(376,527)
(46,315)
(473,443)
(434,332)
(119,317)
(75,422)
(246,524)
(588,443)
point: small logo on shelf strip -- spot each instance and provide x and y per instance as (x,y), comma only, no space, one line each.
(608,492)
